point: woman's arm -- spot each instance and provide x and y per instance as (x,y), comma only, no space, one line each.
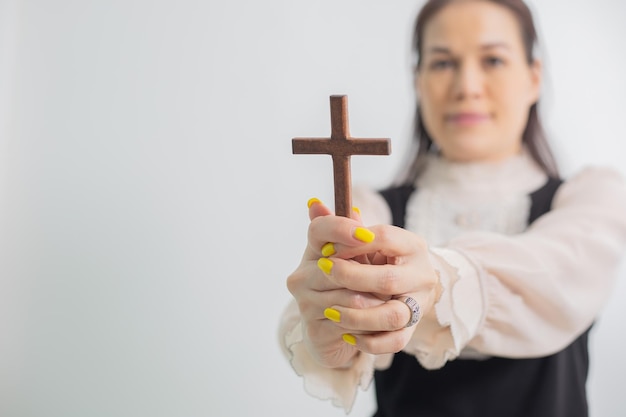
(531,294)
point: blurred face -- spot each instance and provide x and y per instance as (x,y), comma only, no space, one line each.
(474,83)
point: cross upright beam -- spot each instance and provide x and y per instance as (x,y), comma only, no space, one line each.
(341,147)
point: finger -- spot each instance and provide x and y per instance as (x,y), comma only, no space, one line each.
(342,300)
(341,232)
(387,279)
(388,242)
(317,208)
(314,304)
(309,278)
(389,316)
(327,346)
(381,342)
(356,214)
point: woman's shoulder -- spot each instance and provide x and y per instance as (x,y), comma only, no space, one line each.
(594,184)
(597,175)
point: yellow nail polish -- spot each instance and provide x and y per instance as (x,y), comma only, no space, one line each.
(312,201)
(358,210)
(326,265)
(364,235)
(328,249)
(332,315)
(349,339)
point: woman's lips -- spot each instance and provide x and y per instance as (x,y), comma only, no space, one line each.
(467,119)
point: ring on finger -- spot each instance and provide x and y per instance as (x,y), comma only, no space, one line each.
(415,310)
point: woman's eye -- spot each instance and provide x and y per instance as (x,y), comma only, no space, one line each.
(441,64)
(493,61)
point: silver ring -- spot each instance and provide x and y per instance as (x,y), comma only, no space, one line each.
(415,311)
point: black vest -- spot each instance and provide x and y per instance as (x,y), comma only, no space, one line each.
(551,386)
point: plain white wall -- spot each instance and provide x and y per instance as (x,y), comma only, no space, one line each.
(150,207)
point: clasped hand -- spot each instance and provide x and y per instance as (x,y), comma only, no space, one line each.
(350,283)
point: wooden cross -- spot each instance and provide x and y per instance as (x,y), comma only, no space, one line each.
(341,147)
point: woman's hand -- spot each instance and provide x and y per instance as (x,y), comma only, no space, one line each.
(314,292)
(347,284)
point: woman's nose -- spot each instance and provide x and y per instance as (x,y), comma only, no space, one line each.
(468,82)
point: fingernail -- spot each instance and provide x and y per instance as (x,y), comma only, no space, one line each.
(358,210)
(332,315)
(312,201)
(364,235)
(326,265)
(328,249)
(349,339)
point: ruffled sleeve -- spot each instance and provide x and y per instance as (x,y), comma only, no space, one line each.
(445,331)
(530,294)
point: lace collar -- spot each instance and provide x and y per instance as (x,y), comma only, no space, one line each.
(517,174)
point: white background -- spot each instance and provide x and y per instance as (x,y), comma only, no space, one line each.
(150,207)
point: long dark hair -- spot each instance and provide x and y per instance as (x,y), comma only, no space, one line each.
(533,137)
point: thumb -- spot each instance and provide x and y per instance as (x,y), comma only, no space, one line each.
(317,208)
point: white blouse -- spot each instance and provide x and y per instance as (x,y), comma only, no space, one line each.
(509,290)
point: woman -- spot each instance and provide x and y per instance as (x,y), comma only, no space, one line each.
(480,303)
